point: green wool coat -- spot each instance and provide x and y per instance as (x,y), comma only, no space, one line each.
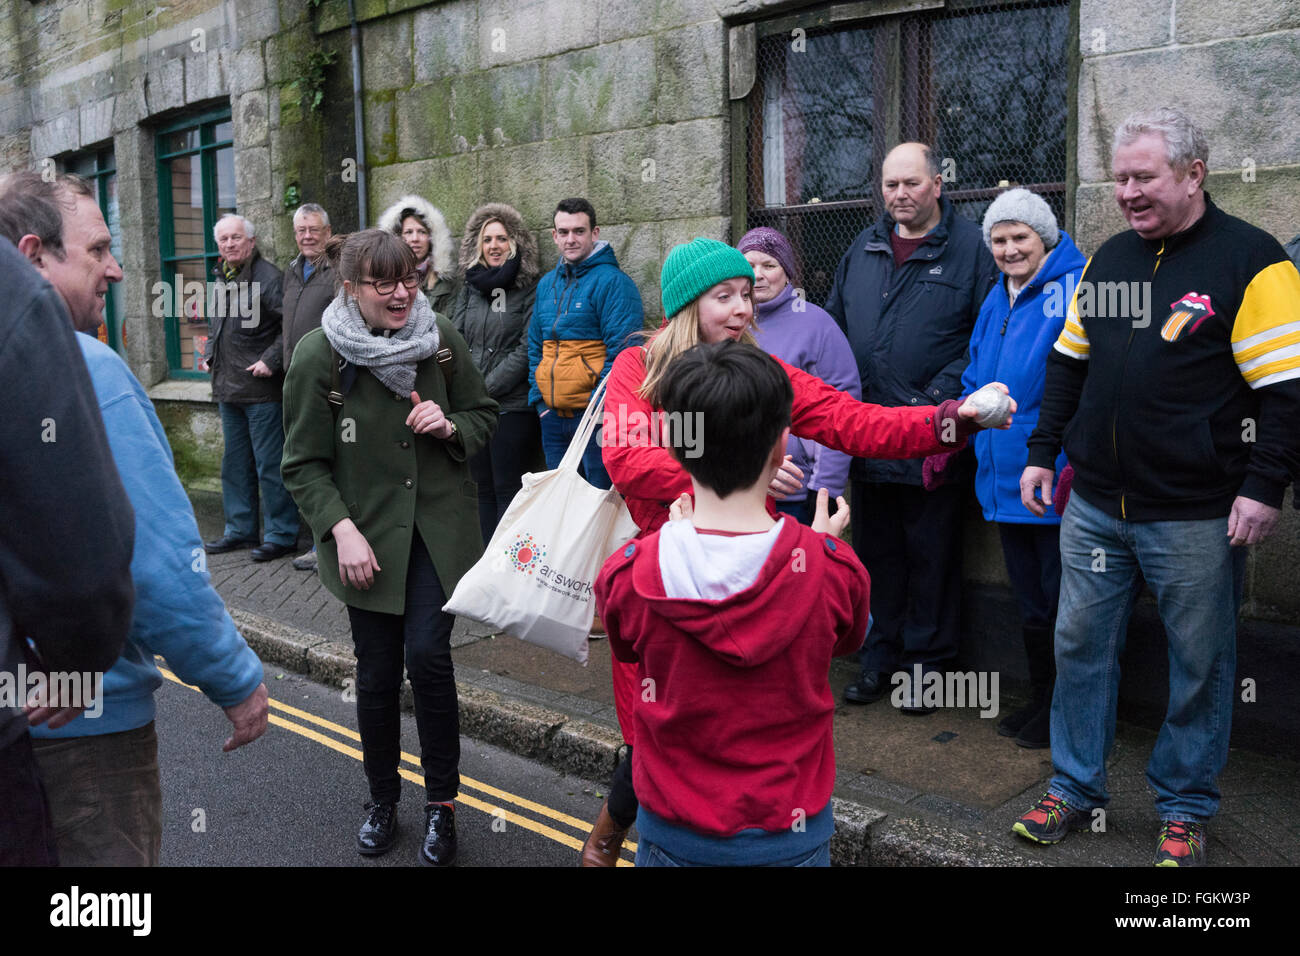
(370,466)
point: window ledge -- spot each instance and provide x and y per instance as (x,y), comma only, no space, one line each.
(180,390)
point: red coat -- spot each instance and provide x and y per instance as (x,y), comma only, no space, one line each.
(735,730)
(649,478)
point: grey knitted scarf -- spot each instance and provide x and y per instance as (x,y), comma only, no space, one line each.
(391,359)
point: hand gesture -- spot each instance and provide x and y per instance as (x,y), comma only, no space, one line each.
(357,563)
(426,418)
(1031,479)
(260,369)
(683,507)
(824,521)
(787,480)
(970,411)
(249,718)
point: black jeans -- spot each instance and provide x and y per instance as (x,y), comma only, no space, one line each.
(1033,556)
(515,448)
(421,636)
(26,826)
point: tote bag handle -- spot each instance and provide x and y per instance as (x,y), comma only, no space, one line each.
(591,419)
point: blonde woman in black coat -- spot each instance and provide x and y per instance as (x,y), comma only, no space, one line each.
(499,269)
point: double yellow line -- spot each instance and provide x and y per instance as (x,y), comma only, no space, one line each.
(497,794)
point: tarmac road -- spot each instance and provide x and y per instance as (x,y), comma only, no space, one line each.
(294,797)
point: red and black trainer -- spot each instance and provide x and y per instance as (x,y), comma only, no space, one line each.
(1049,820)
(1182,843)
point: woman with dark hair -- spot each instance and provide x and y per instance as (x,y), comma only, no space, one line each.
(421,225)
(498,261)
(382,407)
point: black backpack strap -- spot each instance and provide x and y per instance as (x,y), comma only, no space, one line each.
(343,374)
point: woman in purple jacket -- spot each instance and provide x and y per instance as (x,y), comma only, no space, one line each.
(798,332)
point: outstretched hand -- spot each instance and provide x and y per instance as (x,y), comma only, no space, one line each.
(823,520)
(787,480)
(970,411)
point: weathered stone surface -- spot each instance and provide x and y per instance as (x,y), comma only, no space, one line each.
(535,176)
(1116,26)
(1198,20)
(1230,89)
(130,106)
(604,88)
(256,19)
(97,121)
(250,118)
(1096,217)
(510,31)
(500,107)
(853,824)
(454,185)
(1271,591)
(908,841)
(583,748)
(424,121)
(689,66)
(205,75)
(522,728)
(57,135)
(386,54)
(624,173)
(446,41)
(674,13)
(247,70)
(663,172)
(636,245)
(331,662)
(1271,201)
(252,174)
(165,86)
(675,231)
(620,19)
(381,127)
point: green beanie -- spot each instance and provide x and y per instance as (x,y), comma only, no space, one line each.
(692,268)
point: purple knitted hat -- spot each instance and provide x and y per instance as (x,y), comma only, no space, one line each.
(771,243)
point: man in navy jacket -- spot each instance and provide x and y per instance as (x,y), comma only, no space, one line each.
(907,294)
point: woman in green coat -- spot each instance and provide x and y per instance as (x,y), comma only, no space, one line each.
(375,456)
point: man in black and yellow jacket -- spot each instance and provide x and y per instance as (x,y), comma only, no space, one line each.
(1175,389)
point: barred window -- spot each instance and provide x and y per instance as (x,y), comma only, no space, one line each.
(984,83)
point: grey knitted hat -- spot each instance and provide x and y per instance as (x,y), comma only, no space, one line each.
(1020,205)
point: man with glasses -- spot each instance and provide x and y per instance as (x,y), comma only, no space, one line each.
(245,352)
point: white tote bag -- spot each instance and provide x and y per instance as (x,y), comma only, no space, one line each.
(535,579)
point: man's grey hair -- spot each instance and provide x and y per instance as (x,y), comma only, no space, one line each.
(250,231)
(931,160)
(1184,141)
(312,209)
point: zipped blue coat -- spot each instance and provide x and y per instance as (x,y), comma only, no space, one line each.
(909,326)
(1010,345)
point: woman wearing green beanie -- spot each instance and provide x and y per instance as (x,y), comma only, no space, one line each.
(706,287)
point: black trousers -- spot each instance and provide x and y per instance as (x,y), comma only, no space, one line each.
(26,826)
(515,448)
(422,639)
(909,539)
(1033,556)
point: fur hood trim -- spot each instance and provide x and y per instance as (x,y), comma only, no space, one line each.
(440,244)
(525,241)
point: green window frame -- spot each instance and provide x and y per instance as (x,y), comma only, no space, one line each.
(201,146)
(99,168)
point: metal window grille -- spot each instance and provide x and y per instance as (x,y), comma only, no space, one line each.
(985,84)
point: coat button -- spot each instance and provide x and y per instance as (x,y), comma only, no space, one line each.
(403,444)
(409,483)
(830,543)
(397,398)
(627,552)
(913,400)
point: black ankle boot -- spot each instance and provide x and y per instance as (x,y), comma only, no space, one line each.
(1036,734)
(379,831)
(439,847)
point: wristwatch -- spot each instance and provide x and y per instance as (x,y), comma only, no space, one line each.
(453,431)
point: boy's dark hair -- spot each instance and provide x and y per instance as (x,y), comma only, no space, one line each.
(743,398)
(575,206)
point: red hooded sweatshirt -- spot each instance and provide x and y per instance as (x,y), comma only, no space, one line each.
(733,730)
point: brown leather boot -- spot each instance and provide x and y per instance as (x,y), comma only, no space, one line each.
(597,628)
(602,846)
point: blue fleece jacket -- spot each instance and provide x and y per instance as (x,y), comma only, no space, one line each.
(1010,345)
(594,299)
(178,613)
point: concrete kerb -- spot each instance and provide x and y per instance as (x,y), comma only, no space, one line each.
(588,748)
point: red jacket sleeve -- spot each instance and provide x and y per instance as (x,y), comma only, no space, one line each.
(610,592)
(638,468)
(838,420)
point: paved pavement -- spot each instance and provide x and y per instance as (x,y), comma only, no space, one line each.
(936,790)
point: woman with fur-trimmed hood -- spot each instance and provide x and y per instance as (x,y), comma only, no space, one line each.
(421,225)
(499,267)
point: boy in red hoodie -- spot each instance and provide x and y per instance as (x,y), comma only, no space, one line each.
(733,618)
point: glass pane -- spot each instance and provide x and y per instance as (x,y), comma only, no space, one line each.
(818,114)
(82,164)
(181,140)
(187,206)
(999,102)
(189,277)
(223,132)
(224,163)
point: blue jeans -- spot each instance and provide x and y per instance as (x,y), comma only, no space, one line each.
(556,433)
(1194,575)
(650,854)
(254,436)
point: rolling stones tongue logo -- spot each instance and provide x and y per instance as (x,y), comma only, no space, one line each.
(1187,315)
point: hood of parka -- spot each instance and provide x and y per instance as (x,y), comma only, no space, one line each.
(440,242)
(525,241)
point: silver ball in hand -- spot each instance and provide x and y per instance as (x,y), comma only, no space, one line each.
(994,406)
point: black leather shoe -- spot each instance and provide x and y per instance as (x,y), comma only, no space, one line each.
(269,551)
(868,688)
(378,834)
(224,544)
(439,847)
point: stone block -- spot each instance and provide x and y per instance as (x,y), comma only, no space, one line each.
(256,19)
(501,107)
(1117,26)
(1096,217)
(604,88)
(690,164)
(97,121)
(689,66)
(536,176)
(1271,592)
(624,173)
(130,106)
(853,824)
(445,41)
(510,31)
(252,174)
(1271,201)
(620,19)
(165,86)
(424,121)
(60,134)
(1199,20)
(636,244)
(247,70)
(676,231)
(331,663)
(525,729)
(452,184)
(1230,89)
(381,127)
(675,13)
(386,54)
(585,749)
(205,75)
(250,118)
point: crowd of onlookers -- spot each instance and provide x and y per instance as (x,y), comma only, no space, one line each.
(393,391)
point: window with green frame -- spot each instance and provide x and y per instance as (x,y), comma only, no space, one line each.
(99,167)
(196,187)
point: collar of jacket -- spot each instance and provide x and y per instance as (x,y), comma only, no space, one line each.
(775,304)
(1167,246)
(300,260)
(935,239)
(219,272)
(600,254)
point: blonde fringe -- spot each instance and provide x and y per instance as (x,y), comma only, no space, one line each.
(681,333)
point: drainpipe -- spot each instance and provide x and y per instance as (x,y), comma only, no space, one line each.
(363,213)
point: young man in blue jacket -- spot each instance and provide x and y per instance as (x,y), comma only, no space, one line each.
(587,309)
(107,757)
